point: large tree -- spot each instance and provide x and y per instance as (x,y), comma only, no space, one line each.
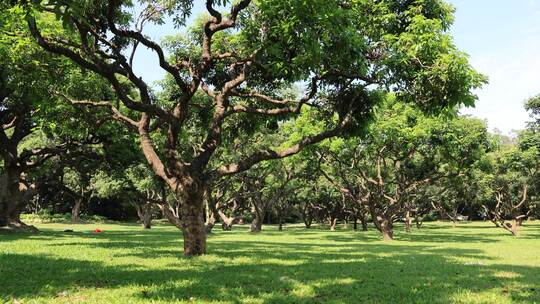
(34,128)
(342,54)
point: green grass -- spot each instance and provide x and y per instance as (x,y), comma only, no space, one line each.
(473,263)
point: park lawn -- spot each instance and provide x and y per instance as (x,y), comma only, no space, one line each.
(473,263)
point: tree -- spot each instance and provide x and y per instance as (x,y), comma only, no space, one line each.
(388,165)
(509,181)
(405,159)
(511,178)
(241,61)
(33,125)
(463,142)
(533,106)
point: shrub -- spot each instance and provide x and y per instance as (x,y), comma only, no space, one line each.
(45,216)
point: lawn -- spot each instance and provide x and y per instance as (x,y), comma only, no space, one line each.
(473,263)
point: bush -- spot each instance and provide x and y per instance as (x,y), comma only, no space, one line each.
(430,217)
(93,218)
(45,216)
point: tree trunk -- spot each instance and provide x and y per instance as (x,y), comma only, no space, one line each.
(144,212)
(387,230)
(226,226)
(355,223)
(408,221)
(364,222)
(210,224)
(258,217)
(280,221)
(419,222)
(441,215)
(256,224)
(147,222)
(14,195)
(307,220)
(192,218)
(514,227)
(333,223)
(76,211)
(226,222)
(210,214)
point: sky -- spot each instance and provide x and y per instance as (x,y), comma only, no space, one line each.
(502,38)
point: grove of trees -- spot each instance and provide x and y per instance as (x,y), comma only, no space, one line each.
(273,111)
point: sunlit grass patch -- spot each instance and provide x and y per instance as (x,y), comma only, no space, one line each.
(473,263)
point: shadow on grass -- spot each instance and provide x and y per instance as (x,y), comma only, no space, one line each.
(271,271)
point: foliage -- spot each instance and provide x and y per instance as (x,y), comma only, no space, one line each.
(45,216)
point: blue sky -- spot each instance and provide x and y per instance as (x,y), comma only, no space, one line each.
(502,38)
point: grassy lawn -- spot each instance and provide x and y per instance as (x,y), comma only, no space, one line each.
(473,263)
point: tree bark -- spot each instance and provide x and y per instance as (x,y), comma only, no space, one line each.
(14,195)
(333,223)
(76,211)
(308,222)
(144,211)
(193,227)
(256,224)
(387,230)
(355,223)
(419,222)
(364,222)
(210,224)
(147,222)
(514,227)
(306,217)
(227,222)
(258,217)
(408,221)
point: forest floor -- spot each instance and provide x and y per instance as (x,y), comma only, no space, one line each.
(473,263)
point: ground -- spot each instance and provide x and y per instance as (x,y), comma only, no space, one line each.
(473,263)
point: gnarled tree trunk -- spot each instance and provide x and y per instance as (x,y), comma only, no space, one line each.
(227,222)
(14,195)
(408,221)
(256,224)
(76,211)
(333,223)
(384,224)
(364,222)
(513,227)
(144,211)
(210,223)
(307,218)
(192,218)
(387,230)
(280,222)
(258,214)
